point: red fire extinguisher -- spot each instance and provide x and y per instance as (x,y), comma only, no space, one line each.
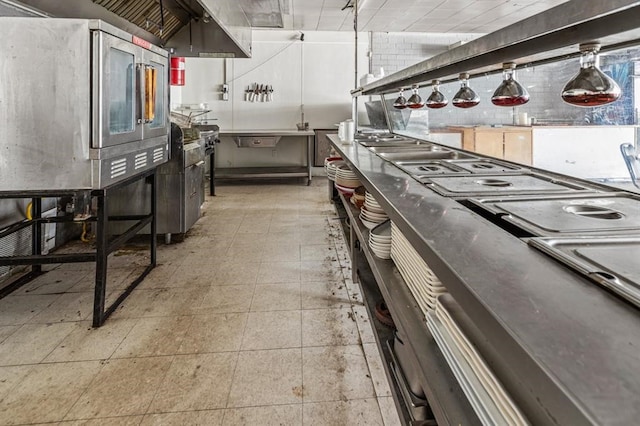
(177,71)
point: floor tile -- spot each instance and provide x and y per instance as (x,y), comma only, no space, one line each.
(225,299)
(335,373)
(315,237)
(376,369)
(6,331)
(31,343)
(200,418)
(11,376)
(235,272)
(86,343)
(388,411)
(273,330)
(195,382)
(364,324)
(106,421)
(320,271)
(281,252)
(161,302)
(317,252)
(324,294)
(124,387)
(155,336)
(272,415)
(67,307)
(279,272)
(160,277)
(183,276)
(267,377)
(362,412)
(276,297)
(53,282)
(47,392)
(17,310)
(214,333)
(329,327)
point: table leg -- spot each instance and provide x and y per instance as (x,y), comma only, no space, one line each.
(212,162)
(310,140)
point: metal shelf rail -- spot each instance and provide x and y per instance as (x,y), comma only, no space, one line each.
(104,244)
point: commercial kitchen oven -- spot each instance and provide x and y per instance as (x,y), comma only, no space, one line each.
(84,105)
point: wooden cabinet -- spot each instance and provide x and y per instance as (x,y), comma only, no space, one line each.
(508,143)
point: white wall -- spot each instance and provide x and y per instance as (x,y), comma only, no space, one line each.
(584,152)
(318,72)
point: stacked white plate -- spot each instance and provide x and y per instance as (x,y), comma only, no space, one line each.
(421,280)
(487,396)
(346,178)
(380,240)
(371,213)
(330,165)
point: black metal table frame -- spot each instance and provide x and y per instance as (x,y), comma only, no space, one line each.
(104,245)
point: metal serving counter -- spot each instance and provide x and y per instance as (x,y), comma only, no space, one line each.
(260,139)
(564,348)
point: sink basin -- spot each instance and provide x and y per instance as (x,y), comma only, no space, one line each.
(421,155)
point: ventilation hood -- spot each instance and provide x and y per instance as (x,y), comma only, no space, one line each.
(204,28)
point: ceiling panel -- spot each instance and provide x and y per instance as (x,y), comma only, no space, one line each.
(458,16)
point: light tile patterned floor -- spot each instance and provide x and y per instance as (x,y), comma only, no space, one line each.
(252,319)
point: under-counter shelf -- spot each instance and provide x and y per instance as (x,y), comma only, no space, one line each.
(536,317)
(446,398)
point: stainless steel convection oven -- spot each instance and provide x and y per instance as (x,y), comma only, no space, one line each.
(84,112)
(83,104)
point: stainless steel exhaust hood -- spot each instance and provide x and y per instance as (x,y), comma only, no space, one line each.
(206,28)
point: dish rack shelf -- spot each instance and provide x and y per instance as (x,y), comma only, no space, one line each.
(379,277)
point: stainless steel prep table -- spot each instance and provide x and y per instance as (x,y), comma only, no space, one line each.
(269,172)
(566,350)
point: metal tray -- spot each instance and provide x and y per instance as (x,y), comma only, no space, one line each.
(469,186)
(482,166)
(569,215)
(430,168)
(611,262)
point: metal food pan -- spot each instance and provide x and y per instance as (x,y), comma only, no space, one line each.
(611,262)
(504,184)
(568,215)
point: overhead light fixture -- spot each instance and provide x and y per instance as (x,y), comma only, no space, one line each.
(590,87)
(436,99)
(466,97)
(401,101)
(415,101)
(510,93)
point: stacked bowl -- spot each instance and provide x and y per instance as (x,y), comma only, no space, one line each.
(346,181)
(330,165)
(380,240)
(371,213)
(358,197)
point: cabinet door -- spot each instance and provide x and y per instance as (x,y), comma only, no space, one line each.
(322,146)
(517,147)
(489,143)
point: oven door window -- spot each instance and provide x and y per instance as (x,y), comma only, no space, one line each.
(122,92)
(159,119)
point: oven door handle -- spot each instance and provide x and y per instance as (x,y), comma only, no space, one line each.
(139,92)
